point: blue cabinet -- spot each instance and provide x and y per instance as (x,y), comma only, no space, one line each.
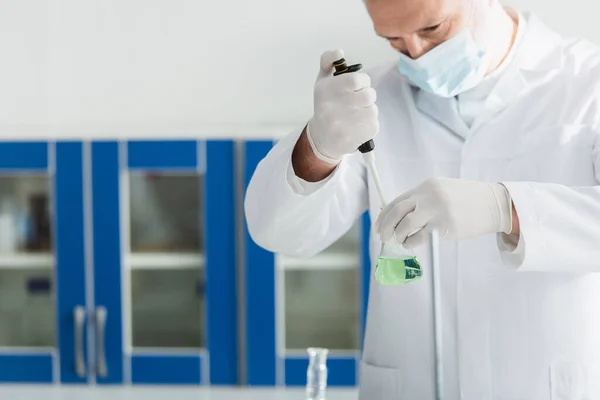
(292,304)
(121,262)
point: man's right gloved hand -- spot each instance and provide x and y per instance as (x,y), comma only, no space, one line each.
(345,114)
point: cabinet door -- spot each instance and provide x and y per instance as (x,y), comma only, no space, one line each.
(293,304)
(41,250)
(164,262)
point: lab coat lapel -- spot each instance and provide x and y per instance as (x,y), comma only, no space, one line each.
(538,57)
(442,110)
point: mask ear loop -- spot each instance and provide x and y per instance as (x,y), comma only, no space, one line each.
(470,20)
(482,46)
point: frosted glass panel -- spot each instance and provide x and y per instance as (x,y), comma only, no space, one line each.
(165,212)
(321,309)
(322,298)
(27,304)
(168,307)
(25,214)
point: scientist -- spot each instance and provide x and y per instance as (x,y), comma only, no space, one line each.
(487,131)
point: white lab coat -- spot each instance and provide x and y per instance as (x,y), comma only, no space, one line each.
(521,325)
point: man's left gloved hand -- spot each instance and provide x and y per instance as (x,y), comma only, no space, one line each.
(456,208)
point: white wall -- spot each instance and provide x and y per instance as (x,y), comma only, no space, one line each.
(187,67)
(572,18)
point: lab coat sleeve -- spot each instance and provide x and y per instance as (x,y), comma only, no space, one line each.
(300,186)
(289,216)
(560,226)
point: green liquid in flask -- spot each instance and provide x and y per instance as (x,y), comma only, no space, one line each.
(396,271)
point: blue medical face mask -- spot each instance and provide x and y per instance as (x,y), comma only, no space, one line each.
(451,68)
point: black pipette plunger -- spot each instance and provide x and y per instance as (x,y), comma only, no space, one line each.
(342,68)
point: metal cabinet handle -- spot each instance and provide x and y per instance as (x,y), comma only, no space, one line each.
(102,370)
(79,317)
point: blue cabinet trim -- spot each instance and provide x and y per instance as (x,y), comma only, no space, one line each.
(161,154)
(221,273)
(107,252)
(260,291)
(341,371)
(70,252)
(24,156)
(26,368)
(365,272)
(166,370)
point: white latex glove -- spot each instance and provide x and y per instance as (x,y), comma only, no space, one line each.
(345,114)
(456,208)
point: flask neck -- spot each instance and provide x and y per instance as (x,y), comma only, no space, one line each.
(393,249)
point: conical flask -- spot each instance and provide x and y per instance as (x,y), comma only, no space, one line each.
(396,264)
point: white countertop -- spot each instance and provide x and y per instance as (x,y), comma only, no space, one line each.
(160,393)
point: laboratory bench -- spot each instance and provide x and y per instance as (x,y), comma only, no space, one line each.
(160,393)
(128,262)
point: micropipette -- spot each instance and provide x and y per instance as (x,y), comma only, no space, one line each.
(395,264)
(367,147)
